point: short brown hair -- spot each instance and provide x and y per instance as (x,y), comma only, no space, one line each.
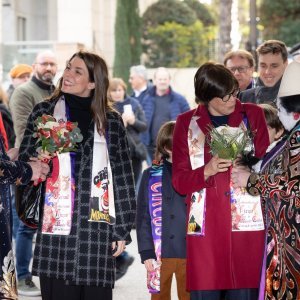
(213,80)
(274,47)
(241,54)
(164,140)
(271,116)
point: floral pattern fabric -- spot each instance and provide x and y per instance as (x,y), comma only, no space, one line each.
(279,186)
(10,172)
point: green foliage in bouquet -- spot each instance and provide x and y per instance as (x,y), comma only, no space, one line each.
(229,142)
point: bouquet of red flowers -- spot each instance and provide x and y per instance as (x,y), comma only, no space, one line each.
(54,137)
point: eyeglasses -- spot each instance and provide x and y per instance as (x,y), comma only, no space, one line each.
(46,64)
(241,69)
(234,93)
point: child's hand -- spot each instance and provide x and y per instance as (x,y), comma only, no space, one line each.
(149,264)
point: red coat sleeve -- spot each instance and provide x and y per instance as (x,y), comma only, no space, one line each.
(3,133)
(258,126)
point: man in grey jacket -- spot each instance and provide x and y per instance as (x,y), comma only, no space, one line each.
(272,61)
(23,99)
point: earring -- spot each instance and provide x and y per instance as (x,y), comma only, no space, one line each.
(296,116)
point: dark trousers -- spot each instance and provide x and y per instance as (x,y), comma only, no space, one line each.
(169,267)
(240,294)
(57,289)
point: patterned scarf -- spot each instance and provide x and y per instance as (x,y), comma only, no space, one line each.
(60,186)
(155,208)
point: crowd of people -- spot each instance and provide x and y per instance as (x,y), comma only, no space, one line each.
(226,226)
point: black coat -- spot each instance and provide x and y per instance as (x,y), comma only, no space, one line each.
(260,94)
(84,257)
(137,148)
(173,219)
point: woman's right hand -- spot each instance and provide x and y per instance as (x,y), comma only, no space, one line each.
(40,170)
(216,165)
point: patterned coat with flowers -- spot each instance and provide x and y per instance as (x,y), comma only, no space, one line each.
(10,172)
(84,257)
(279,186)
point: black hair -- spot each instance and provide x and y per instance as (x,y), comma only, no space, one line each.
(291,103)
(213,80)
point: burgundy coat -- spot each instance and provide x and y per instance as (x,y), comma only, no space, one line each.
(221,259)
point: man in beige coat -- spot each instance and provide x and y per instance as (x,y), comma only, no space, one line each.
(23,99)
(26,96)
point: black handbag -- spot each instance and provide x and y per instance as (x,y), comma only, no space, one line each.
(29,203)
(137,148)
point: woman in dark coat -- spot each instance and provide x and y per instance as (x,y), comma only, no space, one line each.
(12,172)
(76,258)
(134,120)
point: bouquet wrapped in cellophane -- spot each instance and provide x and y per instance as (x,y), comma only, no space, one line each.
(54,137)
(229,142)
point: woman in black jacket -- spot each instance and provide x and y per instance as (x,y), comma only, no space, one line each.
(134,120)
(75,258)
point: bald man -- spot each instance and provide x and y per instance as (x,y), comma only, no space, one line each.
(161,104)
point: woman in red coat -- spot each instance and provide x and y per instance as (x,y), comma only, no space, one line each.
(224,252)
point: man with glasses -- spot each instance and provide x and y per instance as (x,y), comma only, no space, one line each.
(241,64)
(272,61)
(23,99)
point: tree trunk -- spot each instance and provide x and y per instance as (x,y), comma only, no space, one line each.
(225,28)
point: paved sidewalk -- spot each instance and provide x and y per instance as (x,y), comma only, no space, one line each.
(131,286)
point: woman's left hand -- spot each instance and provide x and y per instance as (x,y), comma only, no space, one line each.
(240,176)
(118,247)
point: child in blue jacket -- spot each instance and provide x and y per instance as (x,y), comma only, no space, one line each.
(161,223)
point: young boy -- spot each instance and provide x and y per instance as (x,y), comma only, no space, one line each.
(161,223)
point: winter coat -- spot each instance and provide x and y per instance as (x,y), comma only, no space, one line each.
(173,219)
(22,102)
(178,105)
(10,173)
(279,186)
(260,94)
(84,257)
(137,149)
(222,258)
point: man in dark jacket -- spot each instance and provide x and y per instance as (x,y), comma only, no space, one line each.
(272,61)
(161,104)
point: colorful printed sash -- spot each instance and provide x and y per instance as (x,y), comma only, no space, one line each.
(155,208)
(102,206)
(60,187)
(246,213)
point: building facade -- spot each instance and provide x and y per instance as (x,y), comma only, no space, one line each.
(61,25)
